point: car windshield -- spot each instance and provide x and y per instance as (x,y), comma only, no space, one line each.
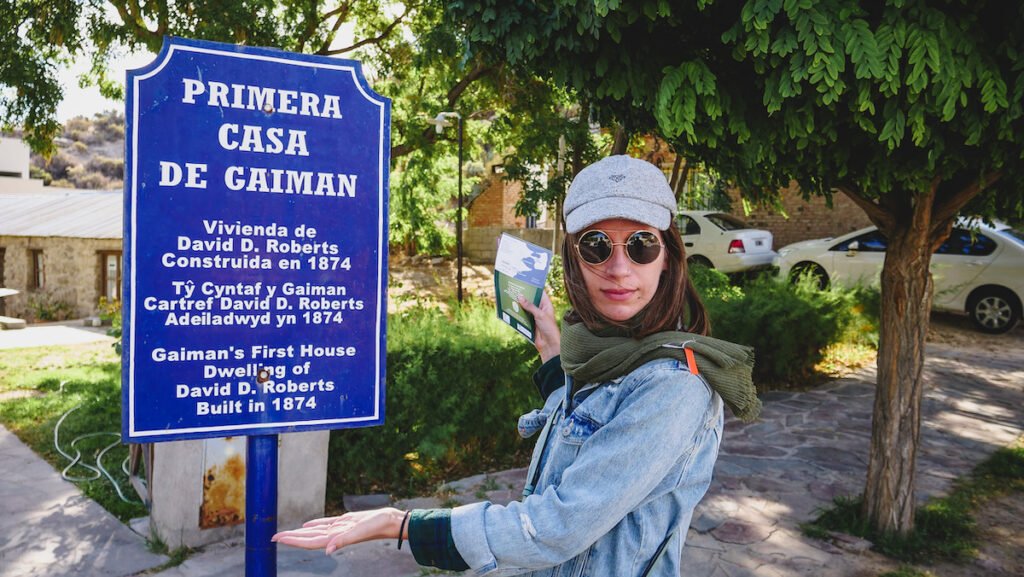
(726,221)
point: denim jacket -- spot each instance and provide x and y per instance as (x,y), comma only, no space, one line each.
(615,477)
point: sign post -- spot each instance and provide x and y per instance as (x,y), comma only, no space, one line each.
(255,251)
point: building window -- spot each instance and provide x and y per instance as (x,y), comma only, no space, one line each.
(110,275)
(36,273)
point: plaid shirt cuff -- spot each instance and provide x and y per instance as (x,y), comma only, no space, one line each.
(430,538)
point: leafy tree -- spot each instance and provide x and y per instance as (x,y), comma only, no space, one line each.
(911,108)
(546,138)
(36,37)
(408,53)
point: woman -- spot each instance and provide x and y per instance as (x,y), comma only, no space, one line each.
(630,429)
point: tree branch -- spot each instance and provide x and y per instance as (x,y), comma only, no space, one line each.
(326,51)
(882,218)
(131,17)
(429,135)
(310,25)
(340,15)
(478,72)
(948,206)
(162,19)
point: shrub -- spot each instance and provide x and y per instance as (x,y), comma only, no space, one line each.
(110,312)
(58,165)
(46,307)
(713,285)
(87,180)
(789,326)
(109,167)
(40,174)
(456,385)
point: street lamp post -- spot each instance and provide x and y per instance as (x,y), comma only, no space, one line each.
(440,122)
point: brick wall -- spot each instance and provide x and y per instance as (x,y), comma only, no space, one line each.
(496,205)
(71,268)
(481,243)
(806,220)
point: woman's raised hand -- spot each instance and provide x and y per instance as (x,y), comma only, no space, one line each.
(546,337)
(333,533)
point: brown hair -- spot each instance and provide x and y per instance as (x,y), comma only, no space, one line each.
(675,306)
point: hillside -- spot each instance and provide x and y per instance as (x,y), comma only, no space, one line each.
(90,154)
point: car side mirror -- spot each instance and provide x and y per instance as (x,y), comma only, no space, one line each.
(852,248)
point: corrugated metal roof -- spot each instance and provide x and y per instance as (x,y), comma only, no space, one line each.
(73,214)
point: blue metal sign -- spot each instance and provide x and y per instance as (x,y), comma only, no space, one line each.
(255,244)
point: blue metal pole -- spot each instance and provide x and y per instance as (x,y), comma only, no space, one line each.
(261,506)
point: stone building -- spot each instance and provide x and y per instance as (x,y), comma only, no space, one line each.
(59,248)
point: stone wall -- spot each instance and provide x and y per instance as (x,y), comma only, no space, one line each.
(71,272)
(481,244)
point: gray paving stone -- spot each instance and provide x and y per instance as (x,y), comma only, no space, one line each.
(366,502)
(741,532)
(771,476)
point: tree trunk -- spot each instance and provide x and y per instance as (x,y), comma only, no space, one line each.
(896,424)
(621,142)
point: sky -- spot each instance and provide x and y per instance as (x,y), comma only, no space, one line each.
(88,101)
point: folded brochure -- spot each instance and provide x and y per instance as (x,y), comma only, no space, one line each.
(520,269)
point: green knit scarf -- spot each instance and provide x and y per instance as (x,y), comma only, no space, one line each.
(727,367)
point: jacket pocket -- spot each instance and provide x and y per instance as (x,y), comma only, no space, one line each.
(577,428)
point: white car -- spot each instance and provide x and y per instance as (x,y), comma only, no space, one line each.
(722,241)
(978,270)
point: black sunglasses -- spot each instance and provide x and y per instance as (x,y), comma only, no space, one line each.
(595,247)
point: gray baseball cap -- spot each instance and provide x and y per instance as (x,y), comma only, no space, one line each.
(619,187)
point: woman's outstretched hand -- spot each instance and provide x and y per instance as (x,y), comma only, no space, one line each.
(546,337)
(333,533)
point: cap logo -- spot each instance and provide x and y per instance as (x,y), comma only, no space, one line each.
(617,177)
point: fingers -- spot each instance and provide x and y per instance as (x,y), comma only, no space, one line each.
(302,538)
(547,338)
(545,302)
(321,521)
(333,533)
(336,542)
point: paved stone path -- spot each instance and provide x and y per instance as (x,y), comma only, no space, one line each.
(811,447)
(48,528)
(772,475)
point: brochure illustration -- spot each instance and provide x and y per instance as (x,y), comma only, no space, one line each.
(520,269)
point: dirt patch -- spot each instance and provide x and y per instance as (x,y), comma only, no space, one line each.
(953,329)
(1001,537)
(18,394)
(433,280)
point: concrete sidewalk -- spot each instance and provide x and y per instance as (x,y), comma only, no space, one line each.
(49,334)
(772,475)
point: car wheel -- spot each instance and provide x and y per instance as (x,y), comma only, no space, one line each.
(812,270)
(994,310)
(698,261)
